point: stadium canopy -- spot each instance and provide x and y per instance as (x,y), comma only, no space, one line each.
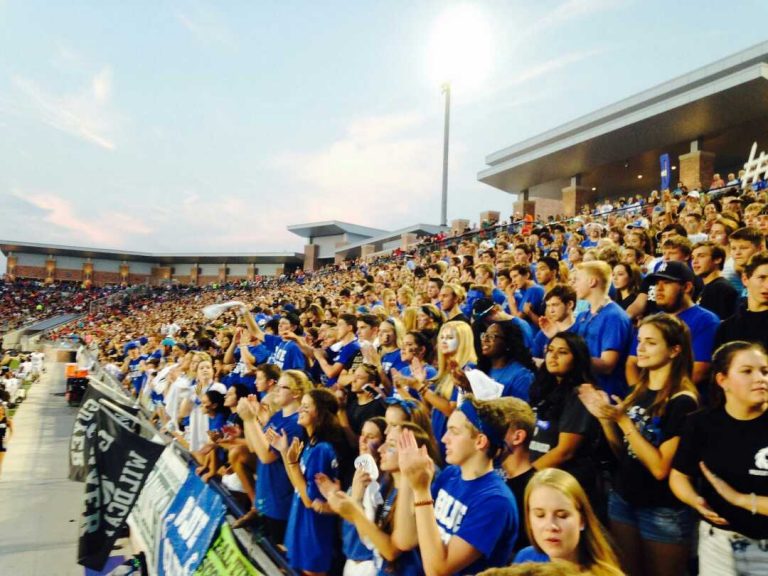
(388,240)
(720,109)
(8,247)
(332,228)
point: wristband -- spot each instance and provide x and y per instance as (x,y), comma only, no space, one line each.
(753,503)
(423,503)
(294,463)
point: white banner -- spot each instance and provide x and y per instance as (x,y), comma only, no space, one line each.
(146,519)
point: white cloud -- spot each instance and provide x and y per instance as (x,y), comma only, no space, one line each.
(79,225)
(380,173)
(572,10)
(85,114)
(206,25)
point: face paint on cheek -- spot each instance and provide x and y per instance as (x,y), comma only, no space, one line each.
(451,344)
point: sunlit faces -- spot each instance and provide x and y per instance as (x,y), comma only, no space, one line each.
(673,254)
(388,452)
(544,274)
(492,342)
(284,393)
(410,349)
(558,357)
(448,341)
(757,288)
(555,523)
(620,277)
(394,416)
(263,383)
(365,332)
(390,301)
(307,412)
(370,439)
(741,251)
(746,382)
(423,320)
(460,442)
(557,310)
(520,256)
(204,371)
(669,295)
(230,398)
(284,326)
(710,212)
(718,234)
(582,284)
(652,350)
(433,290)
(360,379)
(447,299)
(702,262)
(342,329)
(387,335)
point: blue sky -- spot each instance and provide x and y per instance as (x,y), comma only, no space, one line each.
(210,126)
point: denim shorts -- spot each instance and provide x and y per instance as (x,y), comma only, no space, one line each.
(657,524)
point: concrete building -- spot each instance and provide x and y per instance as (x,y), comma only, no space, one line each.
(53,263)
(706,121)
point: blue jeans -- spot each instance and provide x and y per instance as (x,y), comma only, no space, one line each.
(657,524)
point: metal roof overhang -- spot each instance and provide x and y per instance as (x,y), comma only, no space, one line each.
(730,92)
(332,228)
(160,258)
(378,241)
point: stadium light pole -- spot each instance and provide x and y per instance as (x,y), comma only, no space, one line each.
(446,130)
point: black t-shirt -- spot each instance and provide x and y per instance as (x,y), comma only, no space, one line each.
(571,417)
(357,414)
(648,286)
(625,302)
(517,486)
(744,325)
(720,297)
(737,452)
(634,481)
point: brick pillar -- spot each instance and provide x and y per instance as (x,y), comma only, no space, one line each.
(338,258)
(87,274)
(250,272)
(522,208)
(366,250)
(574,197)
(50,269)
(407,239)
(223,274)
(311,253)
(696,169)
(194,274)
(489,216)
(10,268)
(125,269)
(458,225)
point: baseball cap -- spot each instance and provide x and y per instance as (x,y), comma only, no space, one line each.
(674,271)
(693,194)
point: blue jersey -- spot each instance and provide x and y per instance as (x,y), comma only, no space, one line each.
(286,354)
(135,375)
(273,489)
(311,537)
(440,422)
(408,563)
(462,509)
(346,356)
(702,325)
(392,360)
(515,378)
(530,554)
(609,329)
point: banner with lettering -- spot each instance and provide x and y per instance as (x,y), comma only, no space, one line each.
(120,464)
(666,174)
(190,523)
(146,519)
(225,558)
(84,431)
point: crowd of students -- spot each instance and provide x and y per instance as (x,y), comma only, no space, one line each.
(590,393)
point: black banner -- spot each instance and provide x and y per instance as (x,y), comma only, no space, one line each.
(84,430)
(119,464)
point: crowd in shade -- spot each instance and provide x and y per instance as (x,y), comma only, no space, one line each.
(585,396)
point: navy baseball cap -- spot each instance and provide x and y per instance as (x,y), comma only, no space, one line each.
(674,271)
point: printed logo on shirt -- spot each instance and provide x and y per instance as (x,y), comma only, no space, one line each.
(449,513)
(543,424)
(761,461)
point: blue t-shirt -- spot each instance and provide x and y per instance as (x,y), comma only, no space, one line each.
(135,374)
(311,537)
(408,563)
(515,378)
(286,354)
(609,329)
(703,325)
(530,554)
(440,422)
(345,355)
(274,490)
(392,360)
(462,509)
(540,343)
(216,422)
(351,545)
(533,295)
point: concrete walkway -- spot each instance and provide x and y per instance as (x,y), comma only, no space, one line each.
(39,506)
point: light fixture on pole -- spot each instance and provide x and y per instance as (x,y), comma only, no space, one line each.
(446,131)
